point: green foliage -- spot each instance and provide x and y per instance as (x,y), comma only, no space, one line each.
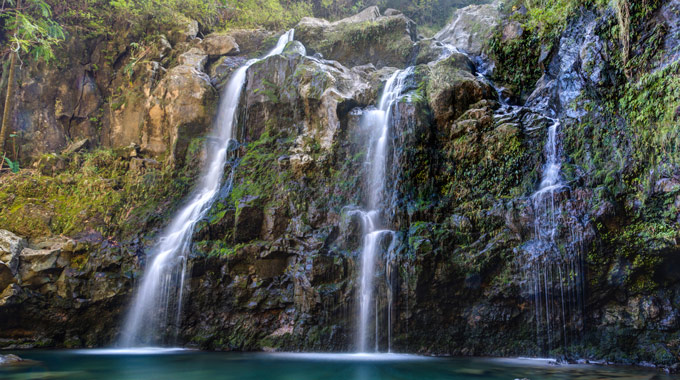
(650,106)
(272,14)
(166,12)
(517,59)
(30,28)
(94,191)
(258,175)
(13,165)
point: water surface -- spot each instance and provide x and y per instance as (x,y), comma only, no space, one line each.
(155,364)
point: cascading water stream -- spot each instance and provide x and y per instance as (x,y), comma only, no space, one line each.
(158,302)
(551,265)
(378,121)
(545,223)
(553,268)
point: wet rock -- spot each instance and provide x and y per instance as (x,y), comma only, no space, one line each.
(430,50)
(220,70)
(293,48)
(218,44)
(354,40)
(669,16)
(579,63)
(304,96)
(471,28)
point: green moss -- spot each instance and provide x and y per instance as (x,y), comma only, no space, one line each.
(96,191)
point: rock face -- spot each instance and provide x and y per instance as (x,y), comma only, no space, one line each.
(57,290)
(452,88)
(155,96)
(182,106)
(274,261)
(471,27)
(361,39)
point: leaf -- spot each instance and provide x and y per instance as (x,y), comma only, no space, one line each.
(217,217)
(13,165)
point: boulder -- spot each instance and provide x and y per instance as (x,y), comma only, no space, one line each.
(366,37)
(195,58)
(452,88)
(430,50)
(218,44)
(471,28)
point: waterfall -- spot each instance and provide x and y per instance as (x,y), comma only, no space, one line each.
(552,265)
(157,306)
(378,120)
(545,224)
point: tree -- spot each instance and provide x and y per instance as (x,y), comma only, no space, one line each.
(29,27)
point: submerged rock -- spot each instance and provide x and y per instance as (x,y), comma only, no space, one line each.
(7,360)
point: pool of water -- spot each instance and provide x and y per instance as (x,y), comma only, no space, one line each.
(170,364)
